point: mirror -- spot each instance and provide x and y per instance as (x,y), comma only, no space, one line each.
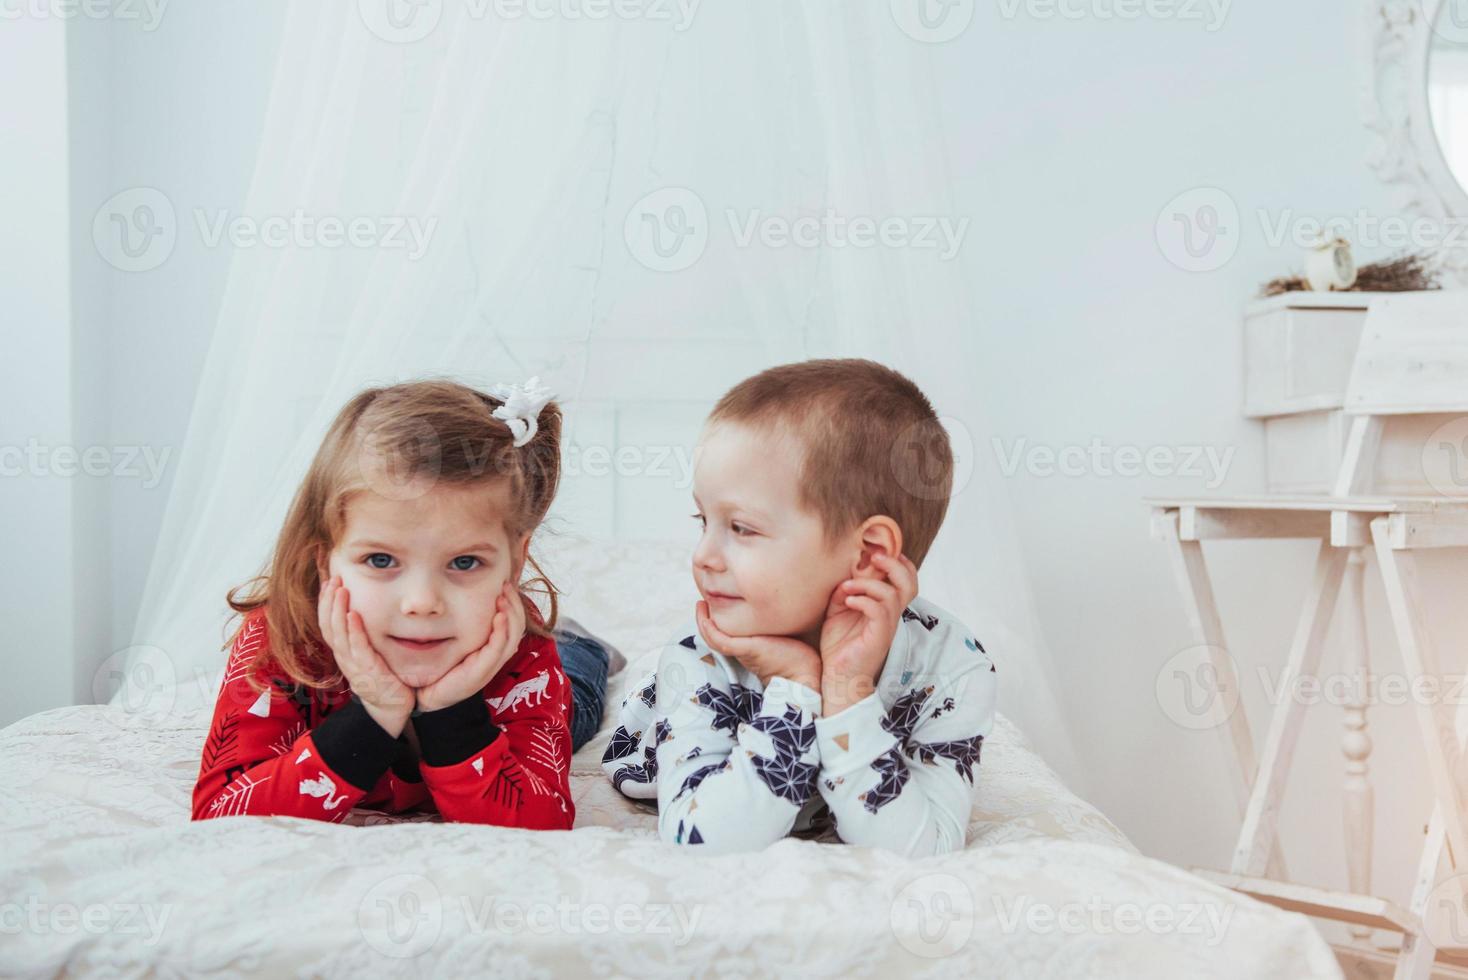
(1447,85)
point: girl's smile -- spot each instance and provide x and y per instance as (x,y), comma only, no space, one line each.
(419,644)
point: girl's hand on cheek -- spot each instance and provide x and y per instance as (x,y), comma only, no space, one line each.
(469,676)
(387,699)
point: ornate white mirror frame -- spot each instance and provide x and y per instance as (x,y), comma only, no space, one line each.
(1406,154)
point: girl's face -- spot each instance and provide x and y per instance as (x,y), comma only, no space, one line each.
(427,569)
(763,561)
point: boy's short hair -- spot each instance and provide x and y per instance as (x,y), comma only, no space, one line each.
(873,444)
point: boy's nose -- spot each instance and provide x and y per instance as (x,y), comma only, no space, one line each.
(707,555)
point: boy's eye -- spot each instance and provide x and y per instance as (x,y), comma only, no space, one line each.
(701,521)
(466,568)
(372,560)
(741,529)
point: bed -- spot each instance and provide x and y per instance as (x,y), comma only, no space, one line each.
(102,871)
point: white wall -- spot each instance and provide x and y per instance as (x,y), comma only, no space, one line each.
(36,349)
(94,356)
(186,102)
(1068,138)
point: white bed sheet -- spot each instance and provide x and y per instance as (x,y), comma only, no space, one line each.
(101,870)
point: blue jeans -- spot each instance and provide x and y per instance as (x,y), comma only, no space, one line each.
(585,662)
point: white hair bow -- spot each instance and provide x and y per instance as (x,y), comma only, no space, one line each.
(521,408)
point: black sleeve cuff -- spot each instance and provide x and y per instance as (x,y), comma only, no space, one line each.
(354,745)
(405,763)
(450,735)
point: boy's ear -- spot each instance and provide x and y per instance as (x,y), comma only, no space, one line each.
(878,535)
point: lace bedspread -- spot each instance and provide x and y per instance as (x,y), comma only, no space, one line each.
(102,871)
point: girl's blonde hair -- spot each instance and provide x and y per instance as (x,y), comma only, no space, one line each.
(389,440)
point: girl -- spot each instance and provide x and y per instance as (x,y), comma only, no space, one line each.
(389,656)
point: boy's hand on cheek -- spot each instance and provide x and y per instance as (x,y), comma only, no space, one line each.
(860,623)
(765,656)
(469,676)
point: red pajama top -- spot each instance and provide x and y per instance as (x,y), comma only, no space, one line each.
(500,757)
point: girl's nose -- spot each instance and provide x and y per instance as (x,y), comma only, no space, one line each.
(421,597)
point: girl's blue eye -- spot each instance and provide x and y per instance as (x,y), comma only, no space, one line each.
(462,568)
(372,560)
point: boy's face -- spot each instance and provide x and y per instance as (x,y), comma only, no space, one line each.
(763,562)
(429,567)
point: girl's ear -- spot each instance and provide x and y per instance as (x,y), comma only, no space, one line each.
(521,552)
(878,535)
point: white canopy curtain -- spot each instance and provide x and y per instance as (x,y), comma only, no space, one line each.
(521,146)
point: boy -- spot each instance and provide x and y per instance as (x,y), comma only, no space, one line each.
(818,691)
